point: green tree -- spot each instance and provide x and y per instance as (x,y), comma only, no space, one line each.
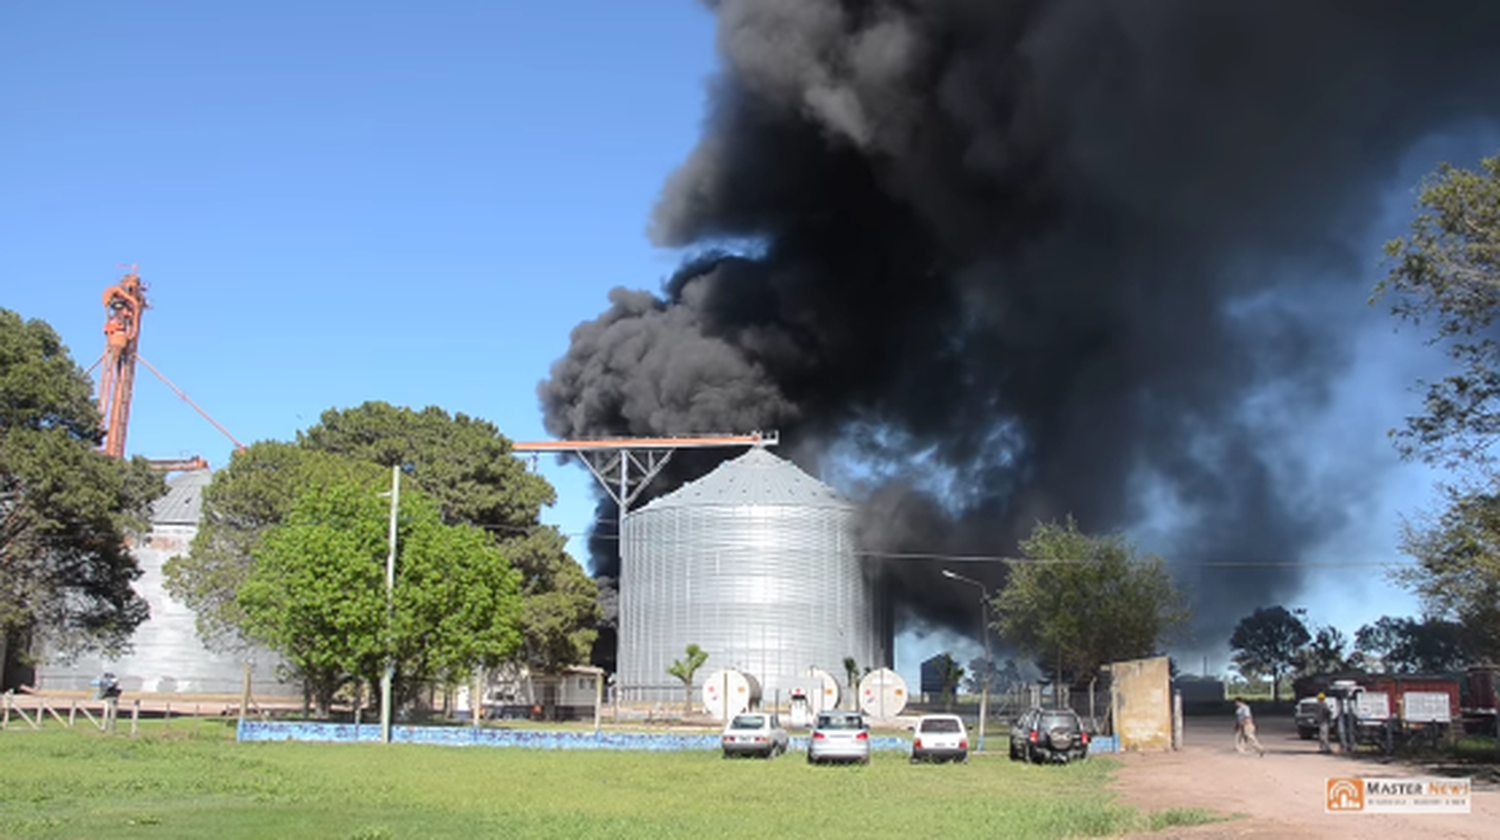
(66,510)
(561,612)
(316,593)
(1445,278)
(1457,573)
(1078,601)
(684,669)
(1408,646)
(245,499)
(953,674)
(851,674)
(1268,643)
(1326,653)
(463,464)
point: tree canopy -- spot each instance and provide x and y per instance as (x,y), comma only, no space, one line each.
(1410,646)
(66,509)
(316,593)
(1269,642)
(254,493)
(1457,573)
(464,465)
(1327,652)
(1078,601)
(1445,278)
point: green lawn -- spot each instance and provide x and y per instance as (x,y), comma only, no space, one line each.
(195,781)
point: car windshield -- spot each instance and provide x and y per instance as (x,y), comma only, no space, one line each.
(940,725)
(841,722)
(748,722)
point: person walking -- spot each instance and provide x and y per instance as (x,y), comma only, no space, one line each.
(1244,729)
(1325,720)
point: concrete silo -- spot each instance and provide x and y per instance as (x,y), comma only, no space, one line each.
(755,563)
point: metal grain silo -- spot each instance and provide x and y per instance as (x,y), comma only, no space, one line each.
(168,657)
(755,563)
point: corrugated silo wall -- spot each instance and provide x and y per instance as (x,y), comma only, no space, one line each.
(768,589)
(168,657)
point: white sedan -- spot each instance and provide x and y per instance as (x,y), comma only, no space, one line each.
(754,733)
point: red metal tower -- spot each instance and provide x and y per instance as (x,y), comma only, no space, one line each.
(124,304)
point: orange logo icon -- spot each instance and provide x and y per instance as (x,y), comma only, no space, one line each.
(1345,795)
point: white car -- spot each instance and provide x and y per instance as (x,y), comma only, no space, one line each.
(839,736)
(939,738)
(754,733)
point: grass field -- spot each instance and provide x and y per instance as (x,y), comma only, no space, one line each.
(195,781)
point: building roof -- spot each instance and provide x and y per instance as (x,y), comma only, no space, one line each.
(183,504)
(755,478)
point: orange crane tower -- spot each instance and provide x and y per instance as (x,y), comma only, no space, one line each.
(124,304)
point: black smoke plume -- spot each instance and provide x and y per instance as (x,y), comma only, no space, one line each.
(1023,259)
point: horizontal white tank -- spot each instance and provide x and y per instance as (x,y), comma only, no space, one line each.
(829,697)
(741,689)
(882,694)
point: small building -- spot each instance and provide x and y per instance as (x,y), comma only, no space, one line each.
(933,673)
(1199,690)
(514,692)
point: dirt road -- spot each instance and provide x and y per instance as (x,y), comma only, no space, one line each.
(1281,795)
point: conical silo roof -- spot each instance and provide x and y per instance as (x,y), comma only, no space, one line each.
(183,502)
(755,478)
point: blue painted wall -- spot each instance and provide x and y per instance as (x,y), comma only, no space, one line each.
(468,736)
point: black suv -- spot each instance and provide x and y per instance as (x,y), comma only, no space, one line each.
(1049,735)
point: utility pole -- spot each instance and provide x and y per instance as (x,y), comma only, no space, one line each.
(390,607)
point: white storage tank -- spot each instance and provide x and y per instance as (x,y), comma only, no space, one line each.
(882,694)
(829,696)
(756,564)
(741,689)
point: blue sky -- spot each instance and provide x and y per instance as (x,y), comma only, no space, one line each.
(340,202)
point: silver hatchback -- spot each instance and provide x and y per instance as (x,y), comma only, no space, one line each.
(839,736)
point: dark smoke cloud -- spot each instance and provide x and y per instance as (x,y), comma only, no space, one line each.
(1053,247)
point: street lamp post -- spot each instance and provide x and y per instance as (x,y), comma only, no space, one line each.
(388,674)
(984,632)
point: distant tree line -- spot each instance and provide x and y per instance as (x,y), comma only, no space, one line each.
(1274,643)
